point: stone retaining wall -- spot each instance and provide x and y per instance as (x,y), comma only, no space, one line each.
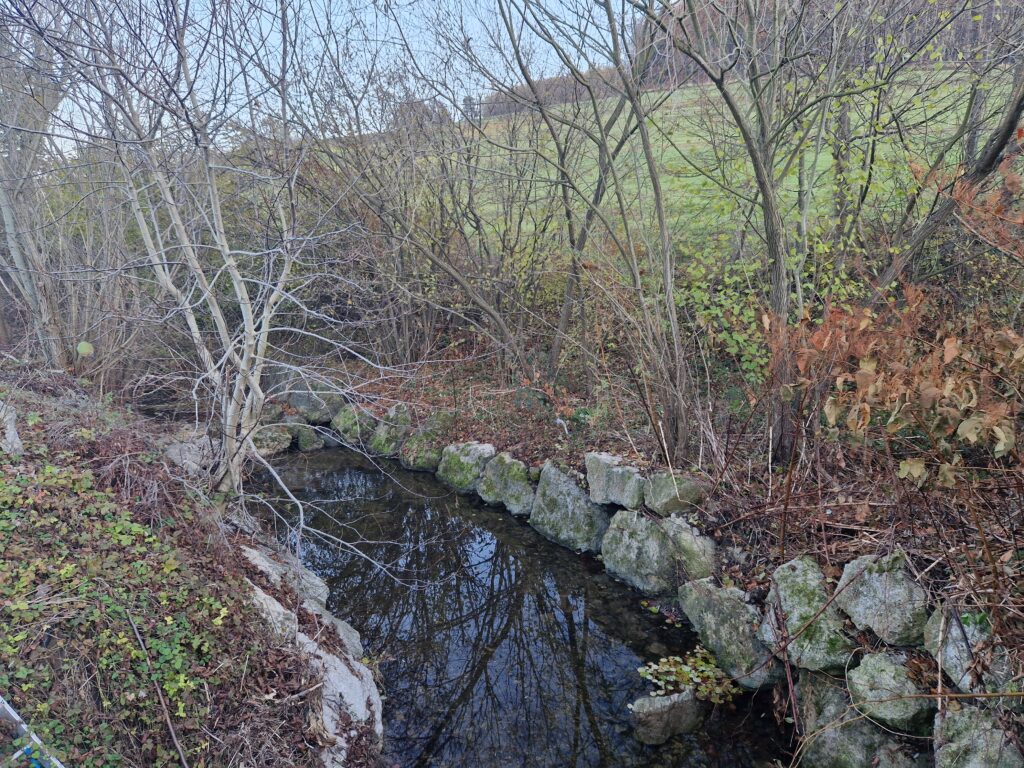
(860,704)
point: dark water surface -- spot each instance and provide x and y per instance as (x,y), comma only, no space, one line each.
(496,647)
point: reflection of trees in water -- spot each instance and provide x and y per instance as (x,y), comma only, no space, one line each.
(494,655)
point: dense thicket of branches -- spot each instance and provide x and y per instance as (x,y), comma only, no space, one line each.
(651,192)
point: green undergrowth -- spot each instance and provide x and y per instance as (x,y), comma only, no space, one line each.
(119,636)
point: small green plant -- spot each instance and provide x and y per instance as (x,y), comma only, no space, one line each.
(697,670)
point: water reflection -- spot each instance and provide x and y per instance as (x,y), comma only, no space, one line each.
(498,648)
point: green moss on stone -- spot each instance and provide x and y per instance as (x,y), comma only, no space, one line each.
(463,463)
(354,425)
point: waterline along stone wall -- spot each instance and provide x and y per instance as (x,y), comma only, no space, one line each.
(851,648)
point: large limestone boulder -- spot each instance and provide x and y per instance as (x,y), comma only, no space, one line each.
(271,439)
(194,452)
(637,550)
(10,440)
(727,626)
(421,450)
(656,719)
(347,702)
(305,437)
(313,405)
(882,689)
(667,492)
(391,431)
(354,425)
(282,568)
(611,483)
(654,555)
(813,626)
(565,514)
(959,642)
(695,552)
(970,737)
(951,639)
(834,733)
(283,623)
(879,594)
(463,463)
(506,481)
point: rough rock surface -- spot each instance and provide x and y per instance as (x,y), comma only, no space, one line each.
(305,437)
(655,555)
(315,407)
(271,440)
(283,622)
(421,451)
(882,689)
(290,572)
(656,719)
(696,552)
(506,481)
(193,452)
(391,431)
(835,735)
(611,483)
(665,493)
(637,550)
(814,630)
(565,514)
(354,425)
(10,440)
(347,707)
(348,701)
(348,634)
(727,627)
(879,594)
(462,464)
(972,738)
(951,639)
(956,639)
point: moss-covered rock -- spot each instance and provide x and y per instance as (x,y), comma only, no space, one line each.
(565,514)
(694,552)
(813,626)
(315,407)
(391,431)
(463,463)
(354,425)
(970,737)
(637,550)
(304,437)
(879,594)
(727,626)
(667,492)
(272,413)
(421,450)
(271,440)
(835,735)
(611,483)
(955,639)
(654,555)
(506,481)
(882,689)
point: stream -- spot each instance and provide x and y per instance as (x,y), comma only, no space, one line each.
(495,647)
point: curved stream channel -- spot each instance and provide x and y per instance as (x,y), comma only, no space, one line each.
(495,646)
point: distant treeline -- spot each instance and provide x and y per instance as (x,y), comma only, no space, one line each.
(666,67)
